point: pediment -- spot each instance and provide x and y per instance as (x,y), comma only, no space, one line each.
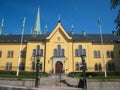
(60,29)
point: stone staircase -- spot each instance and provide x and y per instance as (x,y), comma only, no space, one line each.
(59,81)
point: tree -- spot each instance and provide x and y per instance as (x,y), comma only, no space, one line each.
(114,4)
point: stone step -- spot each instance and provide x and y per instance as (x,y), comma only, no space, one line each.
(59,80)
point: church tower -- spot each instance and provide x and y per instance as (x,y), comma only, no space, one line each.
(37,27)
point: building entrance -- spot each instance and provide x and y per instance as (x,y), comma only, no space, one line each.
(58,67)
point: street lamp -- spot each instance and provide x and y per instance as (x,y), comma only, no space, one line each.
(37,54)
(83,55)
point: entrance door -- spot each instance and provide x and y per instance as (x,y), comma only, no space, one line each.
(58,67)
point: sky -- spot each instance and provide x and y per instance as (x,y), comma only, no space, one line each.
(83,14)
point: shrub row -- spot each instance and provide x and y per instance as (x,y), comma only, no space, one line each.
(88,74)
(22,73)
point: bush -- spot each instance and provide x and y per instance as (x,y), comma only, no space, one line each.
(22,74)
(92,74)
(80,74)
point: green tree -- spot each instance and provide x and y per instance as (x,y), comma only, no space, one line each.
(114,4)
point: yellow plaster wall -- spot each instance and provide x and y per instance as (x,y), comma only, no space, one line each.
(15,47)
(29,58)
(60,37)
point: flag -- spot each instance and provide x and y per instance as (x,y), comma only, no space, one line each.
(99,22)
(2,23)
(23,23)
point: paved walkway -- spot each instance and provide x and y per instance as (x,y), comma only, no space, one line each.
(7,87)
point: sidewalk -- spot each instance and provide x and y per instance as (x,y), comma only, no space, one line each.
(8,87)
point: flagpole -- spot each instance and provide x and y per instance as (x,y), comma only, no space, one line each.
(104,61)
(23,24)
(2,24)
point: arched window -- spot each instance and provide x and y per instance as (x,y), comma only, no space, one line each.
(62,53)
(95,54)
(41,52)
(96,67)
(99,54)
(80,50)
(22,66)
(59,50)
(55,53)
(34,52)
(100,67)
(76,52)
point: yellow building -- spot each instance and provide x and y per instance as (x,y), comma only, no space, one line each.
(60,51)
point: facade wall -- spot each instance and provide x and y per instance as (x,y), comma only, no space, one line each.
(29,58)
(15,47)
(49,61)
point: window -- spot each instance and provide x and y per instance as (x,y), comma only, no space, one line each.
(98,67)
(10,54)
(22,66)
(97,54)
(78,51)
(41,52)
(111,66)
(33,65)
(78,66)
(40,66)
(34,52)
(55,52)
(23,54)
(62,53)
(0,54)
(109,54)
(59,52)
(8,66)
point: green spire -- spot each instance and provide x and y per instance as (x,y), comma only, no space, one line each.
(37,27)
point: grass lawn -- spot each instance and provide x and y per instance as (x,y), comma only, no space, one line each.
(29,76)
(99,77)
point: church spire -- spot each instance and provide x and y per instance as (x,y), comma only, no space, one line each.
(59,19)
(37,27)
(45,29)
(72,29)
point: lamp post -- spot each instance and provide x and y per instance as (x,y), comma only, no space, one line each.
(37,54)
(83,55)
